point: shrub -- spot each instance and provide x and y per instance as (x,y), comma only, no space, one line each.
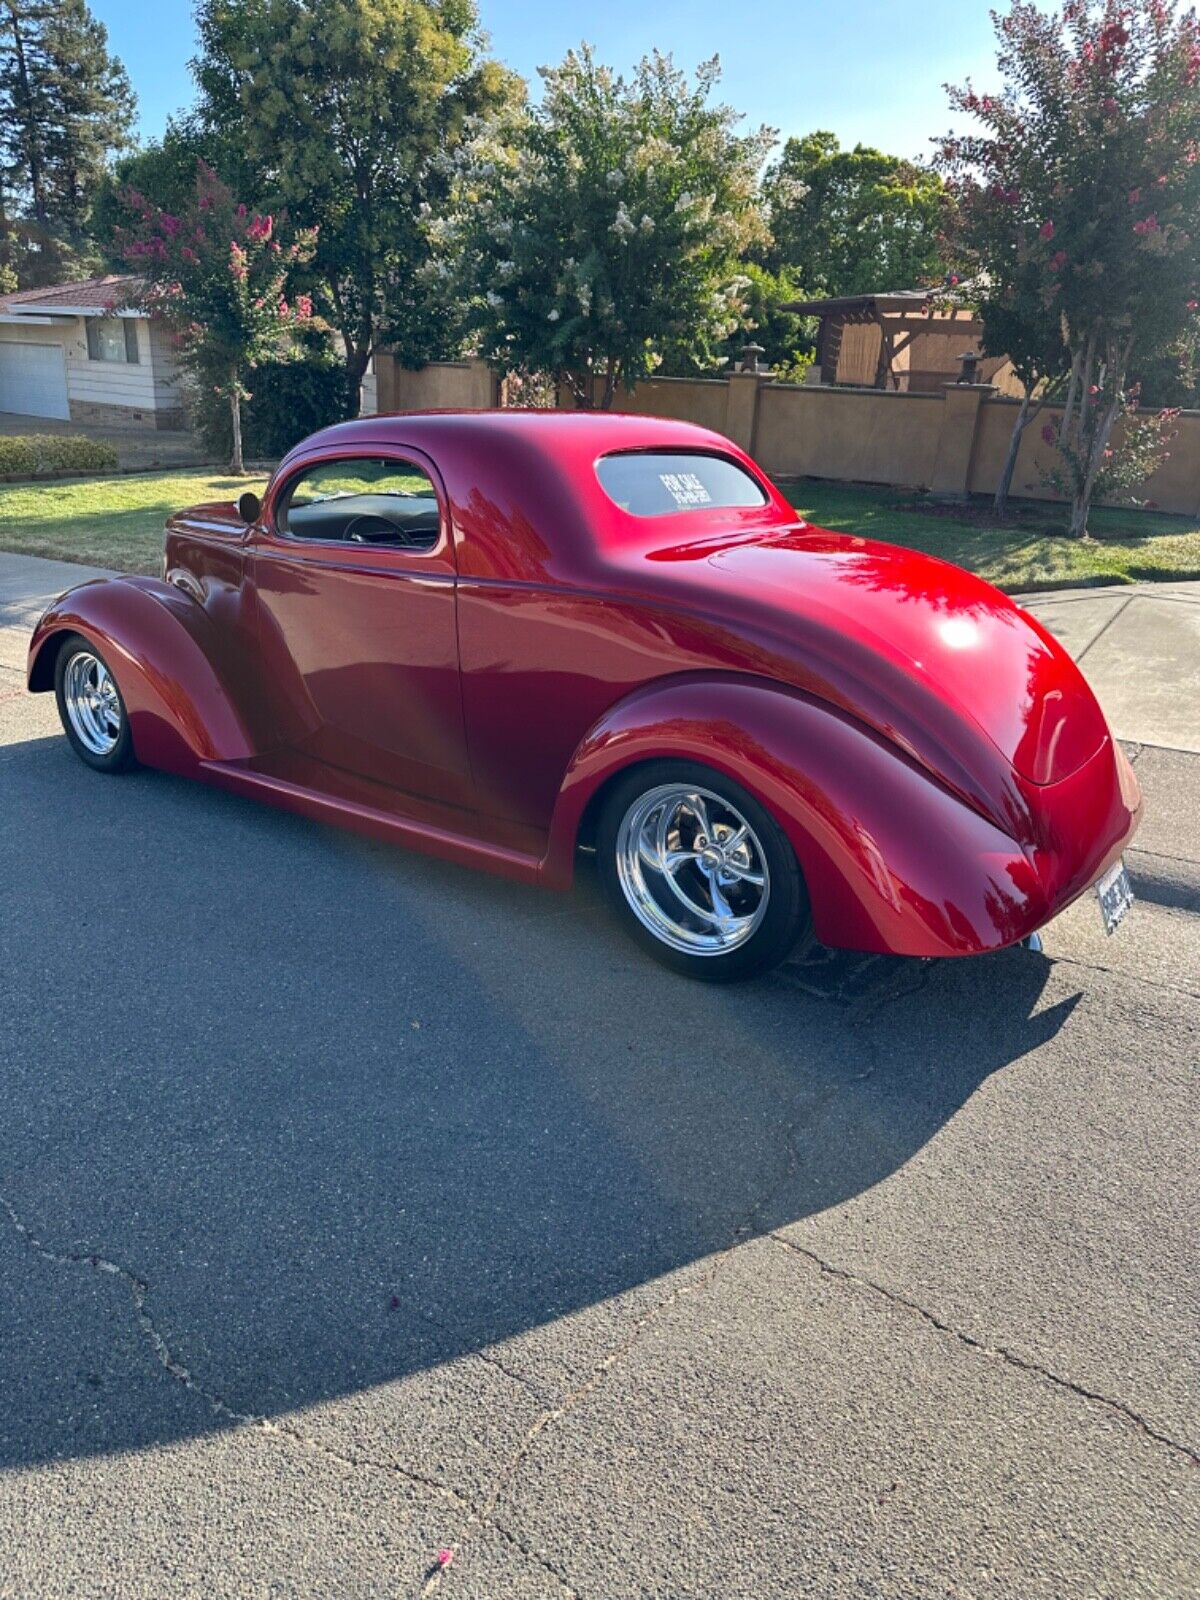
(290,400)
(41,455)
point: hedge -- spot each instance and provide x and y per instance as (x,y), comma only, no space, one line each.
(41,455)
(291,399)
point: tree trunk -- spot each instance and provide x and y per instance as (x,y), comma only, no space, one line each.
(358,357)
(1081,503)
(610,384)
(1000,503)
(235,416)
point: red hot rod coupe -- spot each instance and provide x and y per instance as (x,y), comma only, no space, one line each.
(500,636)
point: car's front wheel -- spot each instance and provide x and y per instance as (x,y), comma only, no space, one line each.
(701,875)
(90,705)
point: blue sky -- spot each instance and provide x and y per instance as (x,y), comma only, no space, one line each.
(871,70)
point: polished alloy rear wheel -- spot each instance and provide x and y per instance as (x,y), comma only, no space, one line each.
(700,874)
(693,870)
(91,708)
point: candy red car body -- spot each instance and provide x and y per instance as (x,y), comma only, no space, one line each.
(538,623)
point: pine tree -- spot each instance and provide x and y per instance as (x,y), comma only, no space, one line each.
(65,106)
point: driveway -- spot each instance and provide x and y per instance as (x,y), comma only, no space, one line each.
(355,1207)
(138,449)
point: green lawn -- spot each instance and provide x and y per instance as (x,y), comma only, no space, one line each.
(1029,553)
(107,522)
(118,522)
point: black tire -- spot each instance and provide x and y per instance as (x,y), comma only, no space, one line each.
(120,758)
(785,922)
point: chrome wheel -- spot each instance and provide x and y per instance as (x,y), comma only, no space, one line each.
(92,703)
(692,869)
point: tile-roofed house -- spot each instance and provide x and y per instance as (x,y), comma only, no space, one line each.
(78,351)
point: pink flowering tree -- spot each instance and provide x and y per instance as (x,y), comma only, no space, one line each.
(1080,199)
(220,276)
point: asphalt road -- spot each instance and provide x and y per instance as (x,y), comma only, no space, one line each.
(353,1207)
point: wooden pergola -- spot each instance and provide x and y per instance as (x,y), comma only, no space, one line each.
(899,316)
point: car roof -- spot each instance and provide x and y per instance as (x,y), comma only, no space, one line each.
(575,432)
(525,499)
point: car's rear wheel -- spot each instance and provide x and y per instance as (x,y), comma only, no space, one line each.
(700,874)
(90,705)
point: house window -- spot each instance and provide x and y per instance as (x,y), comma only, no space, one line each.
(112,339)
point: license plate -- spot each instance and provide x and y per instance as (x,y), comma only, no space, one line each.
(1115,896)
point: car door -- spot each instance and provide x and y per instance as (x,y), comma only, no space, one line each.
(355,579)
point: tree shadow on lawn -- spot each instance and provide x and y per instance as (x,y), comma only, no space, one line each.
(350,1113)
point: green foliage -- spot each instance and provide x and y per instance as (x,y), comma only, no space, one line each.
(789,341)
(165,169)
(1171,378)
(853,221)
(291,399)
(40,455)
(1145,445)
(598,234)
(1081,193)
(219,275)
(343,107)
(65,106)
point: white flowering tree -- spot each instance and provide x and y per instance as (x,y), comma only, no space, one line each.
(598,234)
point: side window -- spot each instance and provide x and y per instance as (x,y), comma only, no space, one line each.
(362,500)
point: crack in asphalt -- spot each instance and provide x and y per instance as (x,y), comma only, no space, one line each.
(139,1289)
(1129,977)
(995,1352)
(866,1008)
(1161,855)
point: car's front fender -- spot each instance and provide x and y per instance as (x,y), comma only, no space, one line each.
(157,641)
(894,861)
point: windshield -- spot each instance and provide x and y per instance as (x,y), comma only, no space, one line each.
(658,483)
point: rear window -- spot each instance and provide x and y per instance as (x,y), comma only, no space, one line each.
(659,483)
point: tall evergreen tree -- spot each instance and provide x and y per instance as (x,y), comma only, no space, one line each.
(65,106)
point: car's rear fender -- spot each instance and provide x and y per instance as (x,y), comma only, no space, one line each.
(894,861)
(155,640)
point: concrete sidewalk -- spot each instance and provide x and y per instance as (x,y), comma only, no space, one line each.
(1139,643)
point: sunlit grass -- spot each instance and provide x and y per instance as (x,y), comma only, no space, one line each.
(1032,552)
(107,522)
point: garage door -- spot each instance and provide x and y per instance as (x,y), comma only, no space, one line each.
(33,380)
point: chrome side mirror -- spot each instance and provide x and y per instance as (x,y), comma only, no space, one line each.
(249,506)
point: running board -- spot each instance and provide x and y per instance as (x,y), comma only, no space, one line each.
(408,832)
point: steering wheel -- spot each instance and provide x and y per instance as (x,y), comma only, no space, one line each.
(367,528)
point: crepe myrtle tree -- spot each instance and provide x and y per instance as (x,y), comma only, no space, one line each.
(597,234)
(1017,322)
(219,275)
(1090,159)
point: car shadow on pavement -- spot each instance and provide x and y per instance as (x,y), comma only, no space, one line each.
(347,1114)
